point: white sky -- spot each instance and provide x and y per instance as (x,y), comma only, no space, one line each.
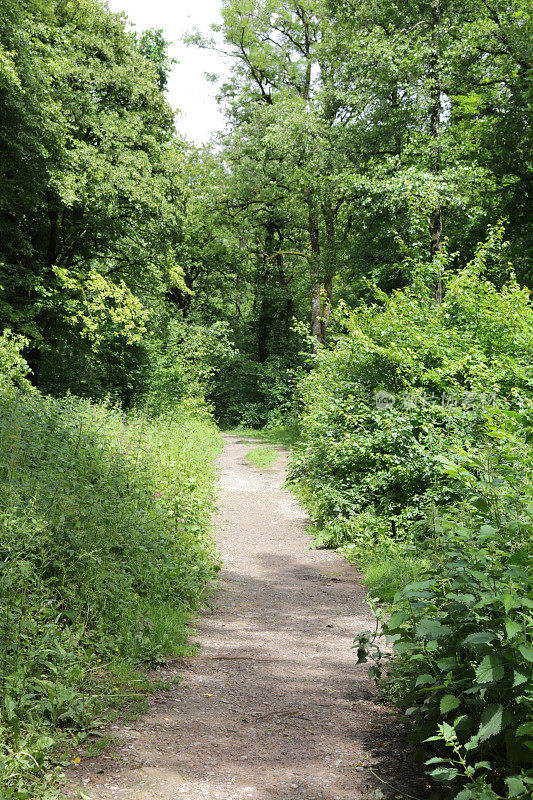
(188,90)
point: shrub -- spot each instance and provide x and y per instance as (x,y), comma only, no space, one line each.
(183,363)
(463,632)
(443,365)
(14,368)
(255,394)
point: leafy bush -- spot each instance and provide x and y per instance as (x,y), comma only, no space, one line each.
(443,365)
(252,394)
(388,561)
(13,367)
(183,364)
(103,525)
(464,630)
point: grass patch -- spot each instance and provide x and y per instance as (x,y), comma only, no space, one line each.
(263,457)
(284,435)
(385,573)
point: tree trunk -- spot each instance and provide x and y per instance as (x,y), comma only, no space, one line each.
(435,223)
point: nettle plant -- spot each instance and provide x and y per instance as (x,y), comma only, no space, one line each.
(463,633)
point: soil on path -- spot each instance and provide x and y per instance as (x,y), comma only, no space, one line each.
(274,706)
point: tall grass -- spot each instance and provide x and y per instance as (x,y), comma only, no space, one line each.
(104,553)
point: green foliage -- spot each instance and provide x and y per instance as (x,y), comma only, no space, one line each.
(460,584)
(104,551)
(183,364)
(13,367)
(284,432)
(442,364)
(387,561)
(247,393)
(464,630)
(91,189)
(251,394)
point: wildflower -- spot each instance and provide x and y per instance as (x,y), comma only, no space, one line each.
(76,760)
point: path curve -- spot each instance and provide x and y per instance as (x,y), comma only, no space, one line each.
(273,707)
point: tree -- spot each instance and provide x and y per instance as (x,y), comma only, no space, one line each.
(90,212)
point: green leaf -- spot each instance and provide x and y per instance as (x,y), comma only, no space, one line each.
(431,629)
(490,670)
(491,722)
(481,637)
(448,703)
(444,773)
(464,794)
(397,619)
(526,651)
(519,678)
(515,786)
(425,680)
(508,602)
(525,729)
(488,530)
(512,628)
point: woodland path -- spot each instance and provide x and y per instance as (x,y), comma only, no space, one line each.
(273,707)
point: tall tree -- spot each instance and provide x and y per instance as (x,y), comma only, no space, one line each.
(91,192)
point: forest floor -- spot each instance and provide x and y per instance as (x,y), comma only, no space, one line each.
(273,707)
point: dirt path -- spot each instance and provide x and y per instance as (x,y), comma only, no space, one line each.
(273,708)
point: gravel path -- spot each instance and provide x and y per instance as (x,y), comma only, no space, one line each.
(273,707)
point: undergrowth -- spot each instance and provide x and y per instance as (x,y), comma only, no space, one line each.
(104,553)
